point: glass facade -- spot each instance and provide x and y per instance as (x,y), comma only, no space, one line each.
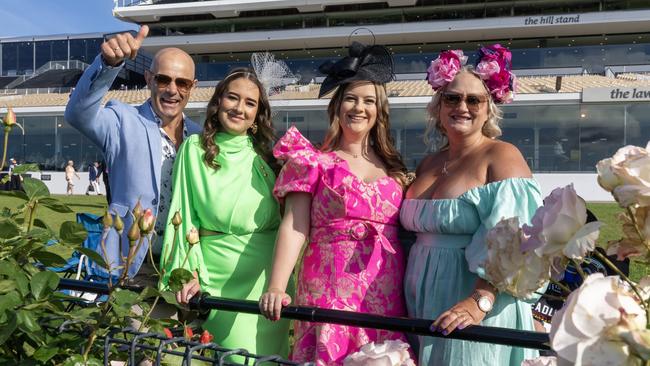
(552,138)
(593,54)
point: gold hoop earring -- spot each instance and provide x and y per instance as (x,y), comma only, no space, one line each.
(254,128)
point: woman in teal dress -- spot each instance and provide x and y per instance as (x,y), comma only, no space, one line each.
(461,191)
(223,184)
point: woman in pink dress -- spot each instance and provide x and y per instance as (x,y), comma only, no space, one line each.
(343,201)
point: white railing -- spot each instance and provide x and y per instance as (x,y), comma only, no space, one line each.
(125,3)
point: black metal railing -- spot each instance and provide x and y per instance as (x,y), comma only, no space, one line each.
(204,303)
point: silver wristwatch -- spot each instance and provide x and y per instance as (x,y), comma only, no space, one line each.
(484,303)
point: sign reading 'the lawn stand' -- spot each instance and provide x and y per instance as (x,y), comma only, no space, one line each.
(616,94)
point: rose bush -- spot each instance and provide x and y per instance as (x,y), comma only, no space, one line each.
(388,353)
(560,228)
(587,330)
(508,267)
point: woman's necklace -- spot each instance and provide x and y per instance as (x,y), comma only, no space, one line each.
(349,153)
(448,162)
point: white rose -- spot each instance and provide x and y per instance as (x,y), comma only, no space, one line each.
(628,195)
(634,166)
(507,267)
(388,353)
(540,361)
(581,332)
(559,226)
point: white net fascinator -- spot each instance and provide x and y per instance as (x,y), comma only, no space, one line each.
(273,74)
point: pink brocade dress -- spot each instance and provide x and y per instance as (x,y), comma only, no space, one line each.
(353,260)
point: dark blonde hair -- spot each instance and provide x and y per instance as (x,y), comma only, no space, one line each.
(262,139)
(381,140)
(436,138)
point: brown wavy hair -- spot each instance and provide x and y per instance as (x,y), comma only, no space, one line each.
(381,140)
(262,139)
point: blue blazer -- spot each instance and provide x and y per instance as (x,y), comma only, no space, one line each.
(130,139)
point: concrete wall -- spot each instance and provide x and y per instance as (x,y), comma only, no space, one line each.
(55,182)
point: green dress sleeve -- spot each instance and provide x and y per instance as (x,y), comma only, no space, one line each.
(495,201)
(188,162)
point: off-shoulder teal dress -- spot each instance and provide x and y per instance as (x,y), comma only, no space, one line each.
(447,257)
(235,203)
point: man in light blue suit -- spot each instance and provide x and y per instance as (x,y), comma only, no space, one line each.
(139,143)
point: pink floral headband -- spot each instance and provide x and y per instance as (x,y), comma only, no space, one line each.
(493,66)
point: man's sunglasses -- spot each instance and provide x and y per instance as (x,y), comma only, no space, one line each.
(182,84)
(472,100)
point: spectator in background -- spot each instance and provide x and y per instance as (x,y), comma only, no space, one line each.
(70,173)
(93,177)
(104,173)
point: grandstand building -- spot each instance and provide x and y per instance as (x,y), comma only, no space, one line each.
(583,69)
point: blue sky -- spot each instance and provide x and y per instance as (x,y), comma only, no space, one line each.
(45,17)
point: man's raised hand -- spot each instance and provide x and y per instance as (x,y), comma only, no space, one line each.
(122,46)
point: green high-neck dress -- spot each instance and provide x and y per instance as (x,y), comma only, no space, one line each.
(235,202)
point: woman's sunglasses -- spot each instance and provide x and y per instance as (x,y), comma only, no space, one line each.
(472,100)
(163,81)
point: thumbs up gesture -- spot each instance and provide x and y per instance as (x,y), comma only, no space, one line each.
(122,46)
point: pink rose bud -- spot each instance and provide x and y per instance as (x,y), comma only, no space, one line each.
(107,220)
(118,224)
(177,220)
(10,118)
(192,236)
(137,211)
(147,221)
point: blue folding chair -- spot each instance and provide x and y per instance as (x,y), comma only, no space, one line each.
(79,265)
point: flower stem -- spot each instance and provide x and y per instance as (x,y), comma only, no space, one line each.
(4,150)
(636,226)
(579,269)
(153,264)
(146,317)
(626,279)
(562,286)
(187,256)
(32,214)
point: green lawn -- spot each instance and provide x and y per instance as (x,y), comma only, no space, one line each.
(90,204)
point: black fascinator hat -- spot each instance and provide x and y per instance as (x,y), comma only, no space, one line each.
(369,63)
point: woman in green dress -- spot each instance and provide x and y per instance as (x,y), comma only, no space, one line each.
(223,183)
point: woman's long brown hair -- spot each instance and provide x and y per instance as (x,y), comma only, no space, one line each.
(380,138)
(262,139)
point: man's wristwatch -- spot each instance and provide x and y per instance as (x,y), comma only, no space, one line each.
(484,303)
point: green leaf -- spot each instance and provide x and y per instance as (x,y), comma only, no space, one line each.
(22,283)
(75,360)
(9,229)
(34,188)
(44,353)
(7,329)
(42,224)
(49,259)
(94,256)
(40,234)
(73,232)
(44,283)
(27,322)
(169,297)
(125,298)
(16,194)
(7,286)
(149,292)
(54,205)
(26,168)
(178,278)
(8,302)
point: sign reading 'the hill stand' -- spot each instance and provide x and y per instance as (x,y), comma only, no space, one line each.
(616,94)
